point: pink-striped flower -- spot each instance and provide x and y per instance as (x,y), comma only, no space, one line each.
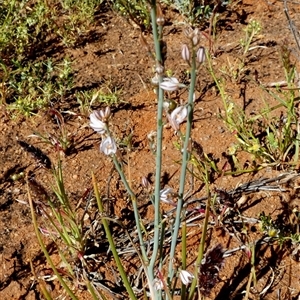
(170,84)
(186,277)
(177,116)
(108,146)
(96,122)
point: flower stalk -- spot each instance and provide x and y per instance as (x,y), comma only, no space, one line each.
(185,158)
(135,208)
(159,65)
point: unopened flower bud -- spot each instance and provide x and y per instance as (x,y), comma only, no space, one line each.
(151,136)
(154,80)
(195,40)
(248,252)
(158,284)
(189,32)
(196,31)
(159,69)
(169,105)
(152,140)
(144,43)
(196,37)
(201,55)
(194,97)
(160,21)
(185,53)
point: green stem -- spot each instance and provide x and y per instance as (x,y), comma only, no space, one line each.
(249,40)
(218,84)
(185,159)
(91,290)
(158,163)
(135,208)
(183,251)
(202,243)
(112,244)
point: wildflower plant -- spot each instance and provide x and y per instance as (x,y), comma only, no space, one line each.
(161,274)
(153,263)
(63,225)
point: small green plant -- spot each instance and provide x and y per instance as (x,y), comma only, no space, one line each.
(193,11)
(96,97)
(281,231)
(137,11)
(65,226)
(235,69)
(21,27)
(271,137)
(27,29)
(251,30)
(196,12)
(78,20)
(268,227)
(26,26)
(32,86)
(62,140)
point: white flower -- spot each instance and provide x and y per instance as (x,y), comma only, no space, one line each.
(166,195)
(96,123)
(178,115)
(108,146)
(171,84)
(158,284)
(186,277)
